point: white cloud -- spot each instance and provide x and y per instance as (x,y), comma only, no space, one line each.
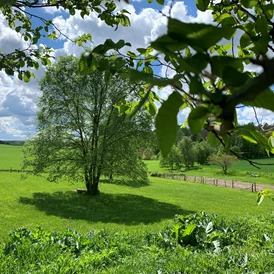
(18,100)
(247,114)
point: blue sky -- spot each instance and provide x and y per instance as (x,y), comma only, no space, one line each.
(18,100)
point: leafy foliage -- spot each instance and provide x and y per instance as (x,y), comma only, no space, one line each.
(197,243)
(202,152)
(20,15)
(205,59)
(81,134)
(202,57)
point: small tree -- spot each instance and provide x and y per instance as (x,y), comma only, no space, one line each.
(80,132)
(187,151)
(223,160)
(202,152)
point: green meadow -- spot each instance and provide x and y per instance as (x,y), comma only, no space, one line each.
(130,228)
(33,201)
(10,157)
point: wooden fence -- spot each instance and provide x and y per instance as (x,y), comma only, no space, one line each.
(213,181)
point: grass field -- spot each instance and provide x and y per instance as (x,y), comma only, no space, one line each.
(129,228)
(35,202)
(10,157)
(240,171)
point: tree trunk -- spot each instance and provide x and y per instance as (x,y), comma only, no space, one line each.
(92,187)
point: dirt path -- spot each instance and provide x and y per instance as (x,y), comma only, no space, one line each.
(254,187)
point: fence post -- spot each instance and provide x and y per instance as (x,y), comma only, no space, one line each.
(252,187)
(232,183)
(194,178)
(225,183)
(216,182)
(255,188)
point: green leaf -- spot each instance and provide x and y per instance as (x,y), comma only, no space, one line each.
(135,75)
(107,76)
(264,100)
(160,2)
(26,77)
(221,62)
(249,3)
(234,78)
(199,36)
(212,139)
(260,197)
(194,64)
(271,141)
(152,108)
(187,53)
(196,86)
(139,105)
(166,122)
(202,4)
(245,40)
(6,2)
(197,118)
(226,141)
(254,136)
(261,45)
(167,44)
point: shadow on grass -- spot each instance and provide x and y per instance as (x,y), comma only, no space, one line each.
(107,208)
(125,182)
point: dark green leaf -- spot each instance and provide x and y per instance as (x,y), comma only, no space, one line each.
(245,40)
(219,63)
(195,86)
(249,3)
(166,122)
(265,100)
(152,108)
(194,64)
(202,4)
(197,118)
(160,2)
(234,78)
(199,36)
(167,44)
(261,45)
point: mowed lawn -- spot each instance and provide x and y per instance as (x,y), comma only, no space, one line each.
(10,157)
(240,170)
(36,202)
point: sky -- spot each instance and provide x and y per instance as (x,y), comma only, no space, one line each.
(18,100)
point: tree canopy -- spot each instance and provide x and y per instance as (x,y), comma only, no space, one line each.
(209,63)
(81,135)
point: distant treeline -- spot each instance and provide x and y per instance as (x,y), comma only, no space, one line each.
(12,142)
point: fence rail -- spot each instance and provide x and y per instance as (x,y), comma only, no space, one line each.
(251,186)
